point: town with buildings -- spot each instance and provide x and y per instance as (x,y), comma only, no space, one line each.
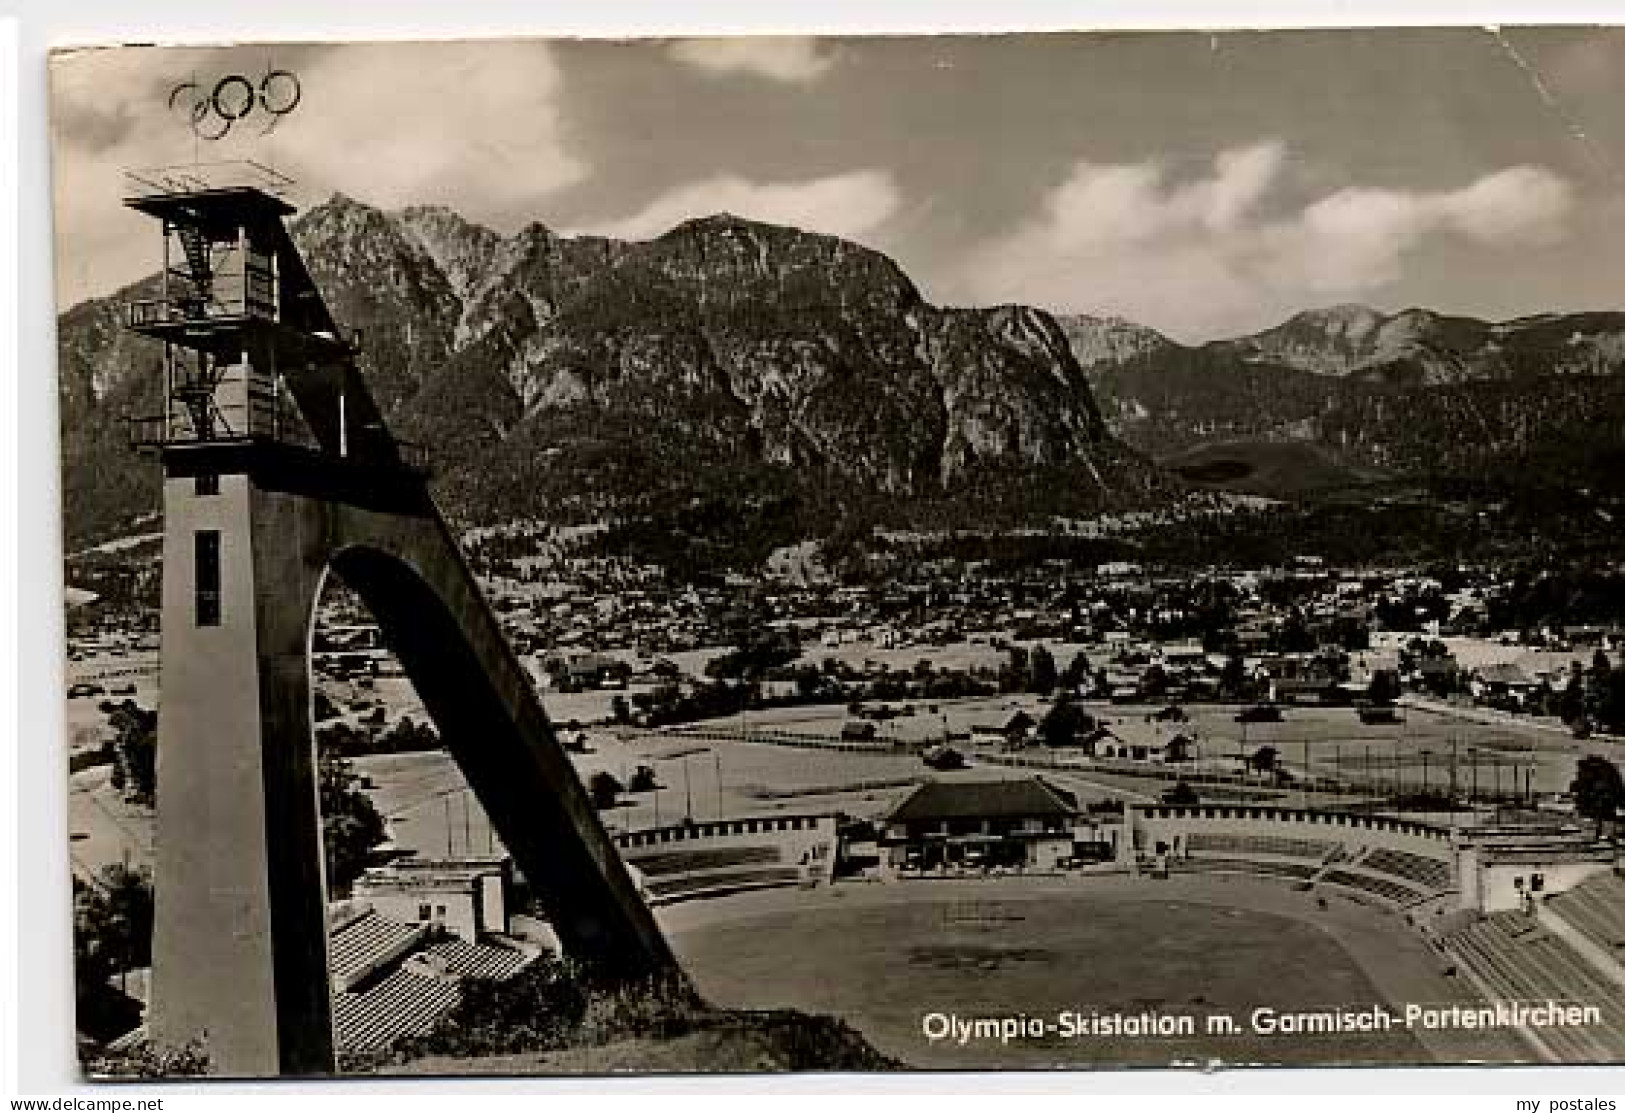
(693,641)
(752,735)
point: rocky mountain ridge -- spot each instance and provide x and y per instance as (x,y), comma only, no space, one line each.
(1418,347)
(577,377)
(1538,399)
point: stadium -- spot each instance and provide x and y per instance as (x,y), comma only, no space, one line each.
(1243,927)
(851,880)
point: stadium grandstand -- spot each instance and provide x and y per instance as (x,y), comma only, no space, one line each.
(398,1006)
(1512,956)
(1594,912)
(393,980)
(1396,862)
(1509,868)
(361,945)
(691,860)
(401,949)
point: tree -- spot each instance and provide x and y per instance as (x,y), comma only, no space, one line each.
(142,1060)
(1061,724)
(1598,681)
(643,779)
(351,825)
(408,736)
(1384,687)
(1294,635)
(1598,790)
(1610,709)
(1182,795)
(1264,759)
(1013,673)
(135,752)
(112,933)
(808,683)
(754,658)
(1078,673)
(114,918)
(1154,682)
(1041,673)
(604,790)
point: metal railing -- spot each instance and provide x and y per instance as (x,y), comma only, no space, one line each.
(264,424)
(162,430)
(152,312)
(203,177)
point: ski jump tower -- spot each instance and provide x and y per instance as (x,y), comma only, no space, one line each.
(278,467)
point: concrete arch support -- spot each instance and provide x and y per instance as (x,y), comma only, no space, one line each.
(240,947)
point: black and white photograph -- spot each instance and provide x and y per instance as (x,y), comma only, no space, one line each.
(919,552)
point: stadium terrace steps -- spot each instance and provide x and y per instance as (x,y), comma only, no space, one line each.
(1269,845)
(367,944)
(477,960)
(1295,871)
(1595,909)
(1392,891)
(671,873)
(718,884)
(706,858)
(1395,876)
(1499,983)
(1430,873)
(411,997)
(1518,960)
(403,1004)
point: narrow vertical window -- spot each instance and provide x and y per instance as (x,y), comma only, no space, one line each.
(207,568)
(206,484)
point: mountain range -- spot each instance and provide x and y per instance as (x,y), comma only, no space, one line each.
(739,368)
(1348,393)
(581,378)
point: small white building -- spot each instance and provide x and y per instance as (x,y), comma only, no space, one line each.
(1502,869)
(468,897)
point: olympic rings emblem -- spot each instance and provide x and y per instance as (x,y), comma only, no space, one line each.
(234,97)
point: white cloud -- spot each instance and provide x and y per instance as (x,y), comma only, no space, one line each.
(1200,259)
(850,205)
(471,124)
(1524,205)
(779,59)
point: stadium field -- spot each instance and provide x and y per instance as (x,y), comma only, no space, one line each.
(884,957)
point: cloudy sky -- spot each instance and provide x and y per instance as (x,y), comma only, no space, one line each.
(1207,185)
